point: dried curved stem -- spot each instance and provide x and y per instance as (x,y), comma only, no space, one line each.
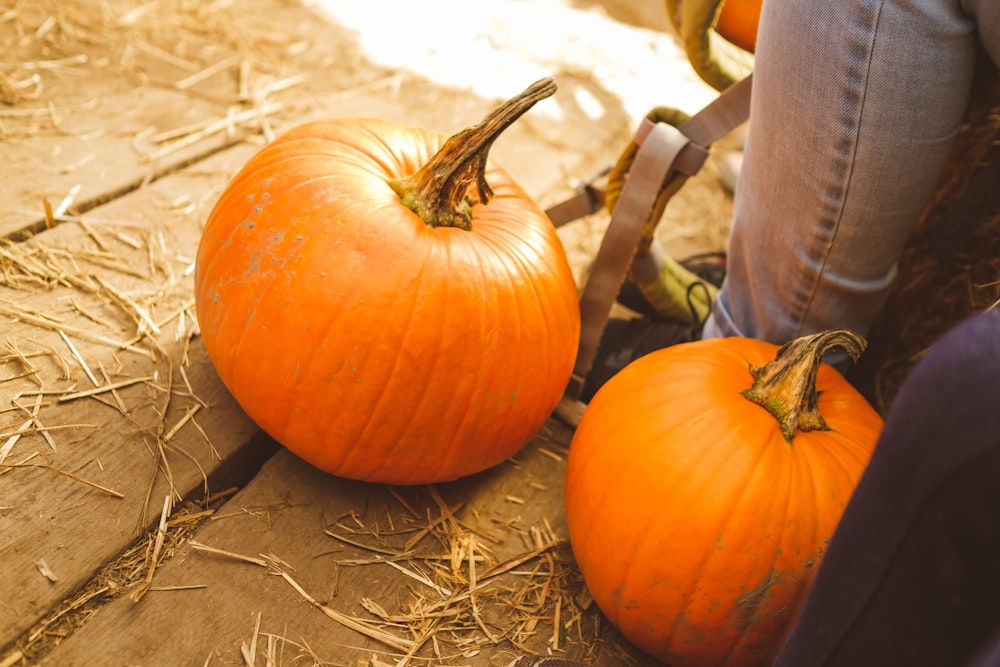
(786,386)
(438,191)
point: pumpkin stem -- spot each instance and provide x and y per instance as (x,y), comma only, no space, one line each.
(786,386)
(439,191)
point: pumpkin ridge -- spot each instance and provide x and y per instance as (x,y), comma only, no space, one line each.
(638,548)
(373,417)
(412,151)
(687,593)
(443,307)
(278,429)
(329,137)
(276,157)
(320,220)
(501,423)
(816,538)
(736,500)
(795,458)
(582,471)
(507,210)
(803,474)
(792,479)
(475,246)
(521,276)
(850,458)
(469,419)
(392,161)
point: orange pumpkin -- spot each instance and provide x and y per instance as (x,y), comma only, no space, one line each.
(696,515)
(737,22)
(388,313)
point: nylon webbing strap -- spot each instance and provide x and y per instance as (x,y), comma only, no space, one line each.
(662,149)
(721,115)
(652,163)
(587,201)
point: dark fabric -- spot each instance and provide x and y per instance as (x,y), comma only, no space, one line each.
(624,341)
(990,655)
(912,574)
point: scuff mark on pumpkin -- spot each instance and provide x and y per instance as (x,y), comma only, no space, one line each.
(749,604)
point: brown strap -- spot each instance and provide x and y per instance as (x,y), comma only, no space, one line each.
(663,149)
(722,115)
(652,164)
(589,199)
(717,119)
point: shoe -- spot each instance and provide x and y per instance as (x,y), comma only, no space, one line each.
(709,266)
(625,340)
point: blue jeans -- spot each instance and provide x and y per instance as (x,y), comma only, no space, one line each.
(856,106)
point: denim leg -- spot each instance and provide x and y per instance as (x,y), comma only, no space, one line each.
(856,106)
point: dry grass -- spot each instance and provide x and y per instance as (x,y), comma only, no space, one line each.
(456,600)
(212,51)
(129,574)
(117,285)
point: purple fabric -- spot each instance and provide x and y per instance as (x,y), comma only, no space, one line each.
(912,575)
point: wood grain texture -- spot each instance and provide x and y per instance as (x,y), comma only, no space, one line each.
(286,513)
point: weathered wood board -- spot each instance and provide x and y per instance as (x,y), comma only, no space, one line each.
(71,527)
(290,513)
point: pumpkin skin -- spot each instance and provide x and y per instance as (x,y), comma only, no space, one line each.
(737,22)
(696,526)
(370,344)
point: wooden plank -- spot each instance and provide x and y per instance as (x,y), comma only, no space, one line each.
(117,95)
(124,107)
(172,424)
(207,604)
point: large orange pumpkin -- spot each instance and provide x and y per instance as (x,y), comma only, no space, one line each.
(696,515)
(388,313)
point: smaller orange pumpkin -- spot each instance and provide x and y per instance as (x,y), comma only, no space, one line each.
(737,22)
(702,485)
